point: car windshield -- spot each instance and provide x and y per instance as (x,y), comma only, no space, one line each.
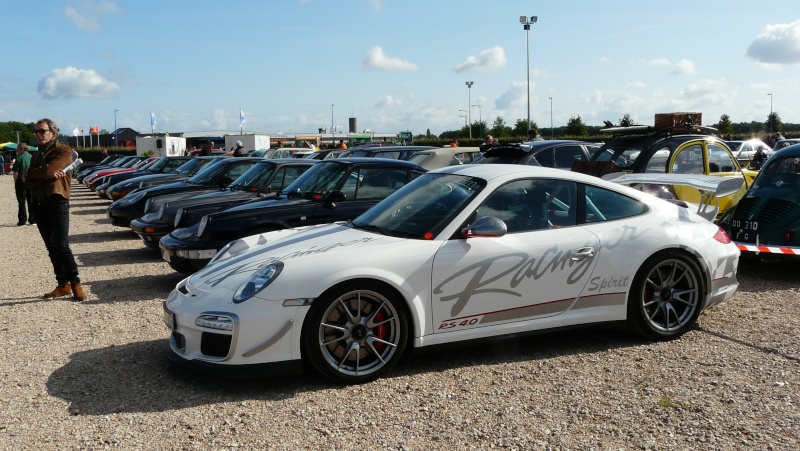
(156,165)
(784,172)
(208,172)
(258,175)
(421,209)
(318,181)
(622,156)
(191,166)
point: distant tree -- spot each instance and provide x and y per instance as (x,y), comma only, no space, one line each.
(428,133)
(499,128)
(521,127)
(576,127)
(626,121)
(724,125)
(103,131)
(775,120)
(480,127)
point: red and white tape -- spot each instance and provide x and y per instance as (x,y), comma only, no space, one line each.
(768,249)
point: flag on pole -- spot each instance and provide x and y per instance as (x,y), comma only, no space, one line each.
(82,131)
(241,116)
(76,132)
(152,120)
(95,129)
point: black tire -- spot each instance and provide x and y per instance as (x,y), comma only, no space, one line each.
(355,333)
(666,296)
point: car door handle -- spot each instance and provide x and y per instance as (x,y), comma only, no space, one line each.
(582,253)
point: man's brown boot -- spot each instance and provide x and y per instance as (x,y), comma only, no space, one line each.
(61,290)
(77,292)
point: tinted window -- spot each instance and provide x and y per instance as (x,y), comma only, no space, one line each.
(606,205)
(527,205)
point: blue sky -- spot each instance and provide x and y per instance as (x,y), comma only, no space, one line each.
(393,64)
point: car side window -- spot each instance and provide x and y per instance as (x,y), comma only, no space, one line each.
(375,183)
(658,161)
(566,155)
(238,169)
(545,158)
(607,205)
(689,160)
(719,160)
(527,205)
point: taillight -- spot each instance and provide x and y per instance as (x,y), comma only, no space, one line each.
(721,236)
(789,234)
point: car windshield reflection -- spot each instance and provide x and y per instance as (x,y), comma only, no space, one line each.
(421,209)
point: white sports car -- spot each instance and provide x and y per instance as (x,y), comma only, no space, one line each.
(462,253)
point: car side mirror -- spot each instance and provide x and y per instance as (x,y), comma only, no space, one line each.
(487,226)
(225,182)
(333,197)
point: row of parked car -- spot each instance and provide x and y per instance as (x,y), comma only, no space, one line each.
(191,207)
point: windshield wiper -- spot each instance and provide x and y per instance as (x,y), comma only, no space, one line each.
(371,228)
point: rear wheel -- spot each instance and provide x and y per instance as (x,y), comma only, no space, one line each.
(666,296)
(355,333)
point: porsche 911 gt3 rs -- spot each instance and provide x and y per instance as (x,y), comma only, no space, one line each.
(462,253)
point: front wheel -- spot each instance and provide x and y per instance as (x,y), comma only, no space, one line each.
(356,333)
(666,296)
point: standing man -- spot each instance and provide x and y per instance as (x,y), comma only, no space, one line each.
(20,167)
(50,188)
(206,151)
(239,151)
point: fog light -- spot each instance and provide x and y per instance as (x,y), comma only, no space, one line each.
(201,254)
(215,322)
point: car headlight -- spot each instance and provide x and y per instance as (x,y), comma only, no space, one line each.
(162,212)
(202,226)
(148,204)
(178,217)
(258,281)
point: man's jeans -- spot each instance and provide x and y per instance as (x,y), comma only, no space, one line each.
(52,218)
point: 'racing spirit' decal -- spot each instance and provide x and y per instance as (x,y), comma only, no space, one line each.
(525,268)
(252,266)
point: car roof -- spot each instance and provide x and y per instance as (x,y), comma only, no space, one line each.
(792,151)
(491,171)
(364,161)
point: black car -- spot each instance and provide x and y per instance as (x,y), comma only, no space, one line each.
(163,165)
(183,172)
(265,177)
(391,152)
(104,162)
(333,190)
(122,162)
(559,154)
(216,175)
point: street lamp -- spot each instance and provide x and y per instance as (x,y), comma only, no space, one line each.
(465,116)
(333,130)
(480,120)
(770,113)
(526,25)
(116,142)
(551,118)
(469,101)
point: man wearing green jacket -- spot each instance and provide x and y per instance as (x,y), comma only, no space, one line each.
(18,169)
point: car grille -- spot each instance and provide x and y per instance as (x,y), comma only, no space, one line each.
(772,211)
(215,345)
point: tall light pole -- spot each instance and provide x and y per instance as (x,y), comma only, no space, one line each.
(469,101)
(526,25)
(465,116)
(116,142)
(770,113)
(333,131)
(480,120)
(551,118)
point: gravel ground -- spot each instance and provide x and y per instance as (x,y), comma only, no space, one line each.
(94,375)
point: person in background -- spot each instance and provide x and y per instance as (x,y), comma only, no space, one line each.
(18,169)
(239,151)
(342,145)
(206,150)
(487,143)
(454,143)
(50,190)
(2,164)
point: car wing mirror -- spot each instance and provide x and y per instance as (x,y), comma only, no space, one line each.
(333,197)
(225,182)
(487,226)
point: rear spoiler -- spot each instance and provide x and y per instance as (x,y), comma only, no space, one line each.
(711,188)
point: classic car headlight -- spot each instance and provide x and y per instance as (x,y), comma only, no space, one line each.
(148,204)
(258,281)
(178,217)
(162,211)
(202,226)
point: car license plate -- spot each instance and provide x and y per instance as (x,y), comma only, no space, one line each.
(745,231)
(169,319)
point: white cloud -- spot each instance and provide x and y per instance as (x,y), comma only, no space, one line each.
(683,67)
(514,97)
(488,60)
(71,82)
(703,93)
(637,85)
(86,14)
(779,44)
(655,62)
(377,59)
(605,59)
(218,120)
(388,102)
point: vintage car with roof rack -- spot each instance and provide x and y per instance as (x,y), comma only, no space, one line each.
(680,147)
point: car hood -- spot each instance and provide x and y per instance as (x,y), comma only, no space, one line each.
(771,206)
(305,252)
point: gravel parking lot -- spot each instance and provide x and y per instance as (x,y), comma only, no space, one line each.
(95,375)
